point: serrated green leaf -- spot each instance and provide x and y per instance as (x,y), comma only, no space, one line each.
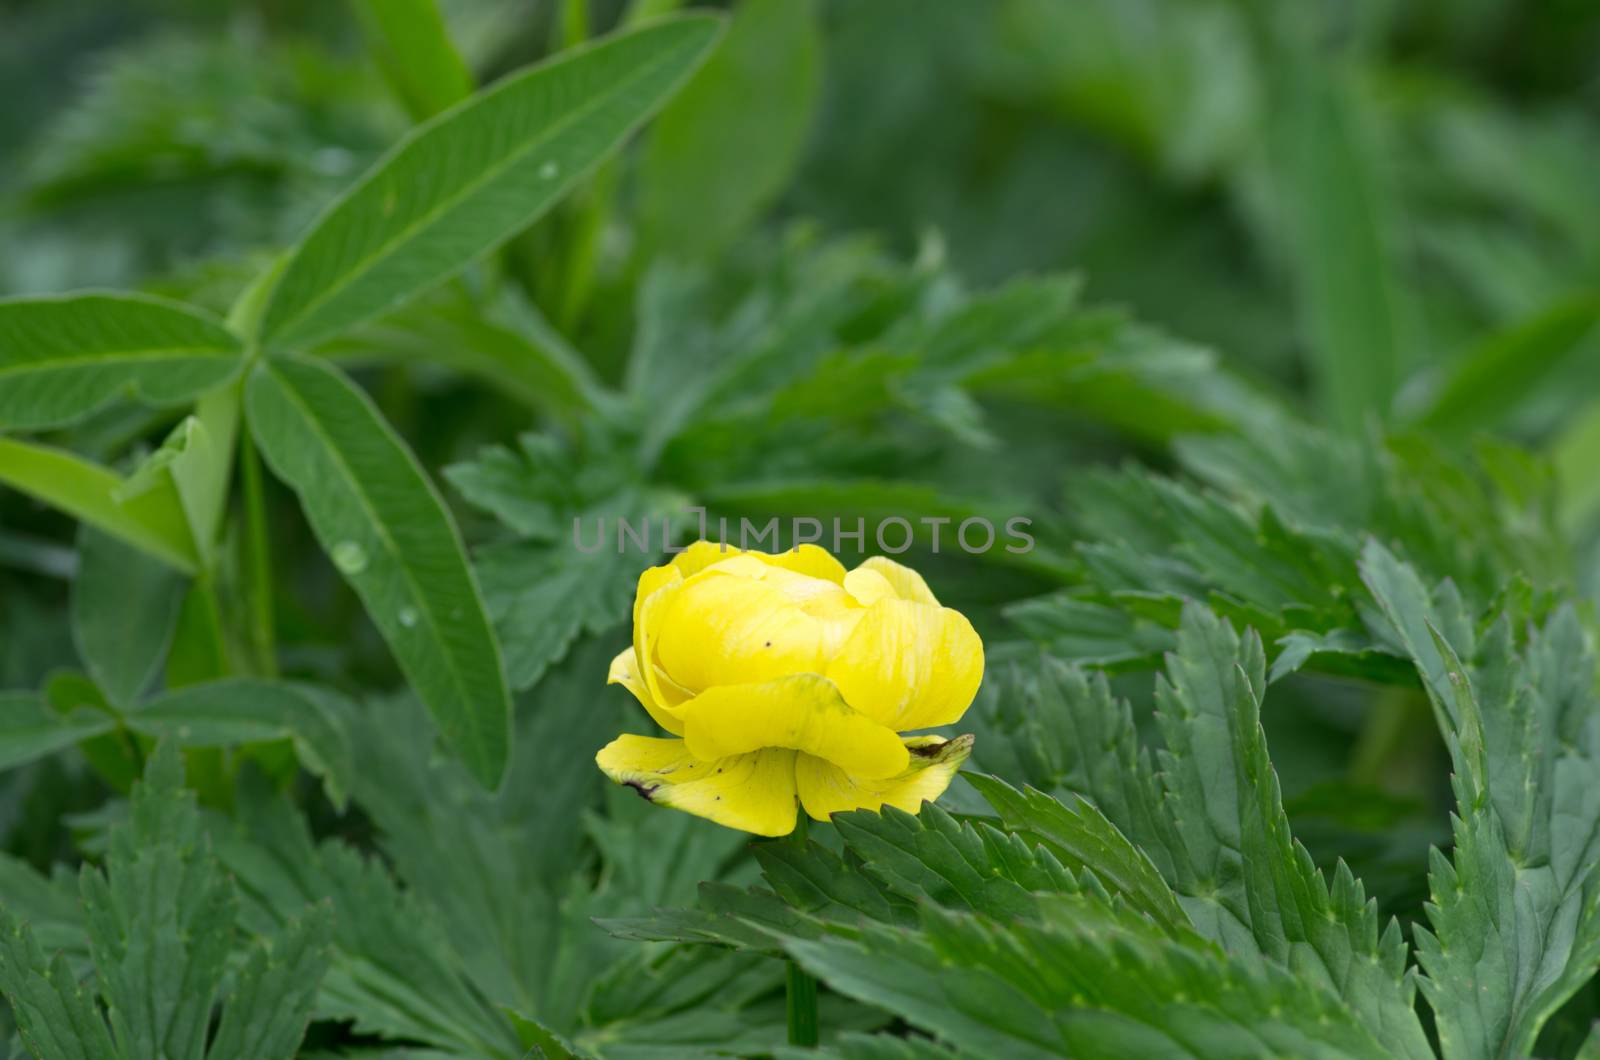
(1516,906)
(376,514)
(472,177)
(160,918)
(266,1013)
(1211,818)
(56,1017)
(1042,989)
(62,358)
(1082,837)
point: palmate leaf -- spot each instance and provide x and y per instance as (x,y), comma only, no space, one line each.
(376,514)
(62,358)
(489,937)
(575,570)
(472,177)
(986,940)
(1271,535)
(1085,980)
(160,924)
(1516,907)
(1211,818)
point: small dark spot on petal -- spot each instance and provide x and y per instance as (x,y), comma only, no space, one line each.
(769,644)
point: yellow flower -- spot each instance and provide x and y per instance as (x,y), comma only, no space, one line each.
(785,677)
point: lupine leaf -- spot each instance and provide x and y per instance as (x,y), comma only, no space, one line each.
(386,529)
(473,176)
(152,518)
(62,358)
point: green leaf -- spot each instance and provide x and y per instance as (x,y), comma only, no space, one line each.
(412,45)
(1211,818)
(1484,387)
(160,917)
(62,358)
(271,1002)
(1034,989)
(543,598)
(1514,911)
(239,711)
(30,728)
(376,514)
(56,1018)
(125,605)
(472,177)
(153,518)
(1082,837)
(1338,238)
(726,146)
(160,922)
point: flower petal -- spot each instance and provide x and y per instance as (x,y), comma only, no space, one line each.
(625,672)
(810,560)
(867,587)
(700,555)
(723,627)
(802,711)
(909,665)
(825,789)
(656,586)
(752,792)
(908,584)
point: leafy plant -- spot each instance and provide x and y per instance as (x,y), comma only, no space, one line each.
(356,359)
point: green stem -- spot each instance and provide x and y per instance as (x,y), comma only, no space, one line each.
(257,560)
(802,987)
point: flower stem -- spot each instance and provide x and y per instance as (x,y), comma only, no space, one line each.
(802,987)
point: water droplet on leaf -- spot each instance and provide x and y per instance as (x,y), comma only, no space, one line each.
(408,617)
(549,171)
(349,557)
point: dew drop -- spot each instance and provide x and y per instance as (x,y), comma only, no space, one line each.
(408,617)
(349,557)
(549,171)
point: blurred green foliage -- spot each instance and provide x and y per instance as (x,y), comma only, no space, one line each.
(1271,317)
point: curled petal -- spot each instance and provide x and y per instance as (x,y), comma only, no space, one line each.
(909,665)
(751,792)
(867,587)
(803,712)
(625,672)
(700,555)
(825,789)
(907,583)
(656,588)
(810,560)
